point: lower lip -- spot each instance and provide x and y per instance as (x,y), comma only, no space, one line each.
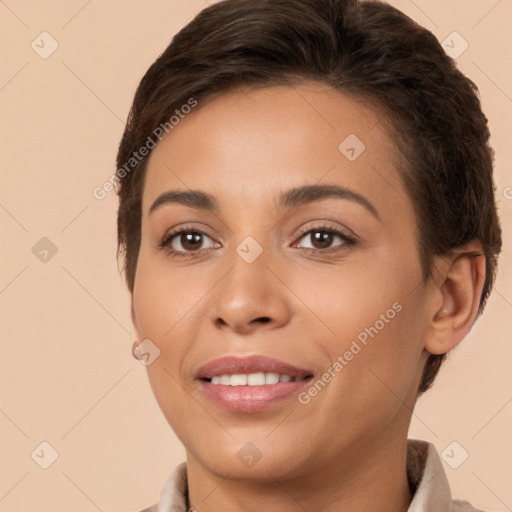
(251,398)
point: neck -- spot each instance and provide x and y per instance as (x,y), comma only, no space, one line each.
(369,477)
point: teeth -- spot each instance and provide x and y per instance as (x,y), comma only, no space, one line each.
(224,379)
(256,379)
(251,379)
(271,378)
(239,379)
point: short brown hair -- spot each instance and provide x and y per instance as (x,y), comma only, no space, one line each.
(368,50)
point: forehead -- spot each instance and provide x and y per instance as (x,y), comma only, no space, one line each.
(254,144)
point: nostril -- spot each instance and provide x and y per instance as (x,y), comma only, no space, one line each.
(221,322)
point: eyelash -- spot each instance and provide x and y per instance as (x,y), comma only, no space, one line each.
(167,240)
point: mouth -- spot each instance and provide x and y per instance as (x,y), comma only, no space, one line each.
(250,383)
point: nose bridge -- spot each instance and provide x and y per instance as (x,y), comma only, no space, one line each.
(249,290)
(248,278)
(251,243)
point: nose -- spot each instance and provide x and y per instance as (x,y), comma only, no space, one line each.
(251,296)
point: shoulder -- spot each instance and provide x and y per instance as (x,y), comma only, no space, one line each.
(427,476)
(174,495)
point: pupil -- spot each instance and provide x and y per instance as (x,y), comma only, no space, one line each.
(191,239)
(322,237)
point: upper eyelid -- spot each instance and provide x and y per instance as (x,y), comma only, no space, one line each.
(342,230)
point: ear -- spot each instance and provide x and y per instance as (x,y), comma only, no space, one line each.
(456,288)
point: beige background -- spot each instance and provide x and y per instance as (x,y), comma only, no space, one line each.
(66,370)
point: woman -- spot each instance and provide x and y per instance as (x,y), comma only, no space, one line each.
(308,226)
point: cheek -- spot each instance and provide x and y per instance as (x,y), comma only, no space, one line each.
(164,296)
(375,378)
(359,299)
(161,310)
(373,326)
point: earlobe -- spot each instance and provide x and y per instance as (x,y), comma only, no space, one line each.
(459,284)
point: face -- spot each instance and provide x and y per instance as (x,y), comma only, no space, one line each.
(286,298)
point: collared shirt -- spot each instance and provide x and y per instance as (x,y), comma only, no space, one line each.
(425,473)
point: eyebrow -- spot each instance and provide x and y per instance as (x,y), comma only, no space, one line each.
(292,198)
(310,193)
(193,198)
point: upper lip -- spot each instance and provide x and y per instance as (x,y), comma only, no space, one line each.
(231,365)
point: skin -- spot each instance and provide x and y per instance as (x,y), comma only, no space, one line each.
(346,448)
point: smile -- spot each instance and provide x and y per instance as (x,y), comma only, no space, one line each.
(250,383)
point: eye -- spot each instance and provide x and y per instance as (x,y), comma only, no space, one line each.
(190,241)
(186,242)
(321,238)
